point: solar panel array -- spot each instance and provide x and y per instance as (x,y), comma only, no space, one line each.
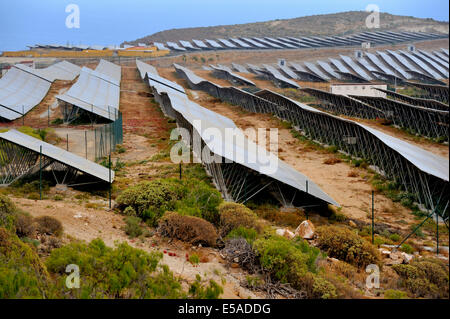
(390,66)
(96,91)
(22,87)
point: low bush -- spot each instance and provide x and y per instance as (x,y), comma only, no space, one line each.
(233,215)
(8,212)
(120,272)
(150,200)
(132,227)
(395,294)
(198,291)
(279,218)
(249,234)
(426,277)
(49,225)
(344,244)
(22,275)
(25,225)
(190,229)
(286,261)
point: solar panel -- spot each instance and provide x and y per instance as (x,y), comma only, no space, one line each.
(285,44)
(356,67)
(403,61)
(374,59)
(288,72)
(280,77)
(394,65)
(297,44)
(421,64)
(234,76)
(435,59)
(188,45)
(316,71)
(239,68)
(324,65)
(175,46)
(267,43)
(254,43)
(227,43)
(338,64)
(441,56)
(431,62)
(160,46)
(241,43)
(214,44)
(307,44)
(445,51)
(58,154)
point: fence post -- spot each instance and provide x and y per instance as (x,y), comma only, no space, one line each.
(48,115)
(437,233)
(373,222)
(40,172)
(306,212)
(109,180)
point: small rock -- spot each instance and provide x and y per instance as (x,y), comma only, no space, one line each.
(385,253)
(285,233)
(407,258)
(352,224)
(305,230)
(236,260)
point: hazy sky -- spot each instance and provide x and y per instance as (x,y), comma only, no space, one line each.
(103,22)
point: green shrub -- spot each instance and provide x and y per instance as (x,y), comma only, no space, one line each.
(407,248)
(395,294)
(156,197)
(49,225)
(426,277)
(323,289)
(286,261)
(7,212)
(395,237)
(132,227)
(233,215)
(190,197)
(249,234)
(190,229)
(198,291)
(129,211)
(194,259)
(120,272)
(22,275)
(344,244)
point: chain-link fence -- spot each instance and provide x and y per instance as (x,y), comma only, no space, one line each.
(107,137)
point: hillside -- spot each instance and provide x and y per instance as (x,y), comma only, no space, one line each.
(327,24)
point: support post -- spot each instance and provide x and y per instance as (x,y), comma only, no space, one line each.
(67,142)
(373,218)
(109,180)
(48,115)
(180,170)
(40,172)
(23,115)
(85,143)
(306,212)
(437,233)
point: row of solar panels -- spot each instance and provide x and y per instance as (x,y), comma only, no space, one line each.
(22,87)
(79,47)
(384,65)
(379,37)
